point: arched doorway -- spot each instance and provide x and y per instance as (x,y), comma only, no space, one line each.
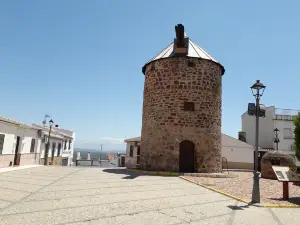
(187,157)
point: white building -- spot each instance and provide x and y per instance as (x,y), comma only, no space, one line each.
(23,144)
(236,154)
(19,143)
(61,145)
(68,151)
(282,119)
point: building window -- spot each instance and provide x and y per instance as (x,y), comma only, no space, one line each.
(138,152)
(189,106)
(69,144)
(53,151)
(152,67)
(58,149)
(287,133)
(131,151)
(65,146)
(32,146)
(191,64)
(2,137)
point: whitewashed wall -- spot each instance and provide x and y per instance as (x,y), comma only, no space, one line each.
(130,161)
(11,132)
(266,128)
(235,150)
(52,140)
(285,143)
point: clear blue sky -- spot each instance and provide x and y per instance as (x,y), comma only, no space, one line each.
(81,61)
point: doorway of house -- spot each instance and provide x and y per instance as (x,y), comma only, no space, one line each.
(17,154)
(53,151)
(187,157)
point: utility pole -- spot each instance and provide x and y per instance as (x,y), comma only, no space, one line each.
(100,154)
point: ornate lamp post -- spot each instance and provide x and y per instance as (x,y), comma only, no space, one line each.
(257,91)
(51,123)
(276,139)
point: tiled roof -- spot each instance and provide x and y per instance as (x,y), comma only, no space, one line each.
(54,131)
(138,139)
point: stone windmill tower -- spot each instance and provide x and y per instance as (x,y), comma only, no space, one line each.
(181,128)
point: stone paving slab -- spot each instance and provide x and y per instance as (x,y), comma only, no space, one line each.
(4,204)
(22,180)
(104,191)
(12,195)
(87,196)
(9,169)
(18,186)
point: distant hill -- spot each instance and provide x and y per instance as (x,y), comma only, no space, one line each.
(98,150)
(95,153)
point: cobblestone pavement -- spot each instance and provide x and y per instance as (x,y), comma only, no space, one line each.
(95,196)
(241,187)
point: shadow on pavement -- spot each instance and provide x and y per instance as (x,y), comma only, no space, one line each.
(130,175)
(235,207)
(293,200)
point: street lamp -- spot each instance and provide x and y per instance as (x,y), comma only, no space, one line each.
(51,123)
(257,90)
(276,139)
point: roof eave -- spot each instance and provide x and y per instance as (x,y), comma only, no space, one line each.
(222,67)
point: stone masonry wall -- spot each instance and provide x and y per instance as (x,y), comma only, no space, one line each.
(168,84)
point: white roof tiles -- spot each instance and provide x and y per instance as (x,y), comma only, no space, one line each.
(194,50)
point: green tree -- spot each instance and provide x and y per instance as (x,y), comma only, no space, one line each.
(297,135)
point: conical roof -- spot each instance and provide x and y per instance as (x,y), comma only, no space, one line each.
(193,51)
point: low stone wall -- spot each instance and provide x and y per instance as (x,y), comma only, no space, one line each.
(29,159)
(238,165)
(130,162)
(25,159)
(6,159)
(57,160)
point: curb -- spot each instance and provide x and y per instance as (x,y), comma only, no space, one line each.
(215,190)
(160,173)
(239,199)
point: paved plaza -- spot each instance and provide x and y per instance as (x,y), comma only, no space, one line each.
(95,196)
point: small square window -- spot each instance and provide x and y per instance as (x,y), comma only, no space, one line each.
(152,67)
(189,106)
(191,64)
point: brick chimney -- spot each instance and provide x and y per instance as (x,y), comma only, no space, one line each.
(181,41)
